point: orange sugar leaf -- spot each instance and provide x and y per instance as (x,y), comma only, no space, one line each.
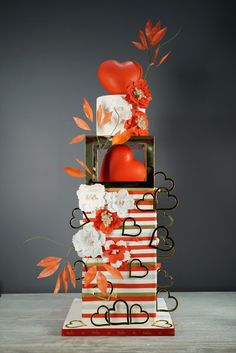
(74,172)
(77,139)
(48,261)
(116,137)
(81,123)
(148,28)
(99,114)
(123,137)
(72,274)
(156,28)
(90,275)
(87,110)
(113,271)
(102,282)
(155,55)
(49,270)
(158,265)
(107,118)
(138,45)
(58,283)
(158,36)
(83,165)
(65,279)
(143,39)
(163,59)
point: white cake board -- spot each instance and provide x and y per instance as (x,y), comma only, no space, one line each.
(74,325)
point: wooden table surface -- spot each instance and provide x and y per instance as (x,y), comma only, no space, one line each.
(30,323)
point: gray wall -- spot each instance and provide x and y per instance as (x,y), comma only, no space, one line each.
(50,52)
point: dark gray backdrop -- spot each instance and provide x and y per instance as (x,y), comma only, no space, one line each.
(50,51)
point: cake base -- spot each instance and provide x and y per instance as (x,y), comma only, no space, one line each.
(74,326)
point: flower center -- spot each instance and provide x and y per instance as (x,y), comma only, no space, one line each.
(90,242)
(139,94)
(91,197)
(106,218)
(140,121)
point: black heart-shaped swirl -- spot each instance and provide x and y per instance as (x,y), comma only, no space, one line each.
(168,240)
(74,217)
(134,225)
(141,265)
(164,290)
(141,311)
(166,179)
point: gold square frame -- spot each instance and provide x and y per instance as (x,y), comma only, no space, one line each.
(93,144)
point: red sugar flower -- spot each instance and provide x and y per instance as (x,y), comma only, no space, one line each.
(139,123)
(138,94)
(116,253)
(106,221)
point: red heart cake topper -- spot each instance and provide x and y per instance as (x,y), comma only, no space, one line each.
(115,76)
(119,165)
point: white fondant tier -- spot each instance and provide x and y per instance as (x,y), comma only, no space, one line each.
(121,111)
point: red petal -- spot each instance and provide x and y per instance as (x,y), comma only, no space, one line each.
(72,274)
(81,123)
(83,165)
(163,59)
(158,36)
(139,45)
(148,28)
(87,110)
(99,114)
(90,275)
(47,261)
(65,279)
(143,39)
(74,172)
(113,271)
(102,282)
(155,55)
(48,271)
(77,139)
(58,283)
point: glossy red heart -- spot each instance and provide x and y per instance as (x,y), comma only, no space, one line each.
(119,165)
(114,76)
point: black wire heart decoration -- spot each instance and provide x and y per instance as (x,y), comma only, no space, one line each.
(168,240)
(166,179)
(74,218)
(137,226)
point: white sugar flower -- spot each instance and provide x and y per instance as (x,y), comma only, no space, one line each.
(91,197)
(88,241)
(120,202)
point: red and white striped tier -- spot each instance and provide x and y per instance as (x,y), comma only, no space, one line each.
(134,288)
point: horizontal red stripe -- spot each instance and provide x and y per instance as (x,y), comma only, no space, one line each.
(86,316)
(140,247)
(129,298)
(140,219)
(134,191)
(128,285)
(134,268)
(127,238)
(136,256)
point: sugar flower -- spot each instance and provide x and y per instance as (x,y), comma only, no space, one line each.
(138,94)
(91,197)
(119,202)
(138,122)
(88,241)
(116,253)
(106,221)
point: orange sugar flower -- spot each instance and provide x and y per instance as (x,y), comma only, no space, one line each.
(106,221)
(138,94)
(139,123)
